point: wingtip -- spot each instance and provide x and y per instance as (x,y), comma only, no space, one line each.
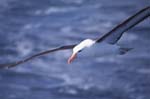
(9,65)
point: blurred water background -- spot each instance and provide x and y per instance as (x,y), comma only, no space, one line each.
(31,26)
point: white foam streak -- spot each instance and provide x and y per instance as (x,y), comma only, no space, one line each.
(58,9)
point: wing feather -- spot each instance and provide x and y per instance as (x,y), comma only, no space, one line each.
(115,34)
(13,64)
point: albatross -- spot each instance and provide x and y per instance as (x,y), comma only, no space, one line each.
(110,39)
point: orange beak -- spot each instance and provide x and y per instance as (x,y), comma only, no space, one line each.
(72,57)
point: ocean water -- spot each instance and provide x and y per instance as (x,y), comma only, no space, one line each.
(31,26)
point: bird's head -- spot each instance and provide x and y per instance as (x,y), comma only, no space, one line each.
(78,48)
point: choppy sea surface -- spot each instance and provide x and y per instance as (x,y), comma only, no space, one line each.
(31,26)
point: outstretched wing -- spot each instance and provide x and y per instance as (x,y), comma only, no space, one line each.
(13,64)
(115,34)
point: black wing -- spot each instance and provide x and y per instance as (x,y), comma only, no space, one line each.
(115,34)
(13,64)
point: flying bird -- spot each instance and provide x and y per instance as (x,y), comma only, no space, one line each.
(108,39)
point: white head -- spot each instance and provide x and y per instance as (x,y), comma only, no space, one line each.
(84,44)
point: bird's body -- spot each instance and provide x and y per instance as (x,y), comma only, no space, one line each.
(101,48)
(98,49)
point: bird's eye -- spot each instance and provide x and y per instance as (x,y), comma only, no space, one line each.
(80,50)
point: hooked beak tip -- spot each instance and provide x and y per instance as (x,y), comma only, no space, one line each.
(69,62)
(72,57)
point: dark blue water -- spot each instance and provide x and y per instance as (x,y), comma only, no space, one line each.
(31,26)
